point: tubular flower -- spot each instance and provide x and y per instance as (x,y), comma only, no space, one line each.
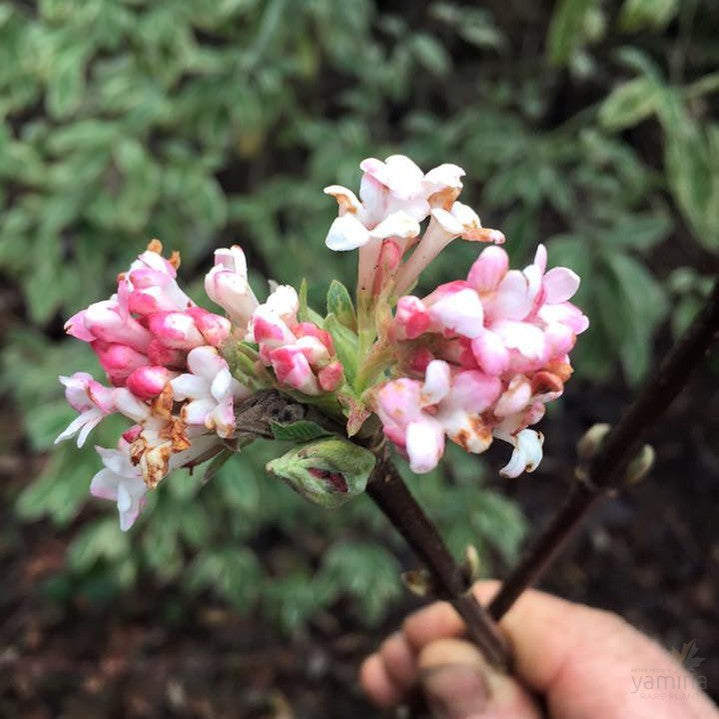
(301,355)
(227,285)
(503,338)
(395,197)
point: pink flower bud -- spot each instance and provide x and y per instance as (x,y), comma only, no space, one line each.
(132,434)
(389,259)
(159,354)
(118,360)
(227,285)
(292,368)
(268,329)
(176,330)
(309,329)
(331,376)
(109,322)
(411,318)
(315,352)
(214,329)
(148,382)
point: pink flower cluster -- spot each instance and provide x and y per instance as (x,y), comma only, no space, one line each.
(301,355)
(482,357)
(474,360)
(160,353)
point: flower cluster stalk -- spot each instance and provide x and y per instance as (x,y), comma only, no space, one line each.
(448,581)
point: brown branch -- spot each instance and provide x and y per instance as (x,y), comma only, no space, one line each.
(606,470)
(389,492)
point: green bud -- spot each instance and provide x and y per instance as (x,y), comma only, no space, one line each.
(640,465)
(591,441)
(328,471)
(472,564)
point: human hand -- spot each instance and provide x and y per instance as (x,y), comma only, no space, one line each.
(584,663)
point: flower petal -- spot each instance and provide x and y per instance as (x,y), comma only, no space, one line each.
(560,284)
(346,233)
(424,444)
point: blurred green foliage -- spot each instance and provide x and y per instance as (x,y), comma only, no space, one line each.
(584,124)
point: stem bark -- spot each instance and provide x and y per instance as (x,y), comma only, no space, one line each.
(389,492)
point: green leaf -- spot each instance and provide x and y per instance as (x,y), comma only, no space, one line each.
(565,29)
(232,573)
(368,573)
(431,54)
(641,305)
(346,345)
(339,303)
(305,313)
(218,461)
(67,79)
(629,104)
(102,539)
(60,490)
(301,431)
(640,231)
(647,14)
(691,159)
(290,600)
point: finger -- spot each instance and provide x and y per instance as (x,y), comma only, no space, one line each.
(437,621)
(400,660)
(459,684)
(377,683)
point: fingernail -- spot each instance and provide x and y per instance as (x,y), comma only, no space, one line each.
(455,691)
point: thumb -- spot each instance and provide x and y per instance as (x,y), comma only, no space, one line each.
(458,684)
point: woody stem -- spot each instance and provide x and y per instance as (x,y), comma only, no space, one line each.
(389,492)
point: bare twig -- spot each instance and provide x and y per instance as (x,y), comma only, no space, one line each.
(606,470)
(388,490)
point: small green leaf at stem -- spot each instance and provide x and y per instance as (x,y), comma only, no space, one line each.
(346,345)
(301,431)
(339,303)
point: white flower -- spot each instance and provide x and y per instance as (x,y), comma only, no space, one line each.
(211,390)
(120,481)
(91,399)
(527,453)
